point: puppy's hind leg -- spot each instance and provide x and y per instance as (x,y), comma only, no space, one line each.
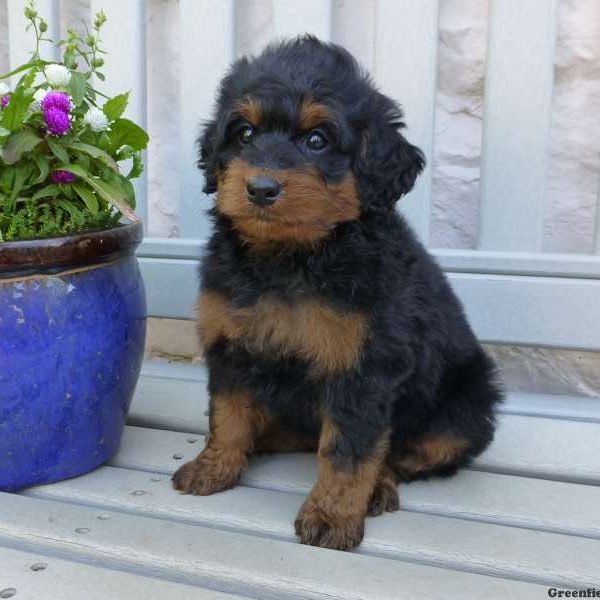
(235,421)
(433,454)
(385,495)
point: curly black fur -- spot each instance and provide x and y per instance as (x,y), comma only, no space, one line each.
(421,370)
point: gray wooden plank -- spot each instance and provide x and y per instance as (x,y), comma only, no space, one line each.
(160,247)
(291,19)
(406,50)
(353,27)
(504,309)
(455,260)
(207,56)
(164,275)
(518,104)
(504,499)
(170,404)
(597,227)
(531,311)
(554,406)
(548,448)
(36,576)
(174,370)
(560,449)
(125,35)
(150,400)
(545,558)
(232,562)
(539,264)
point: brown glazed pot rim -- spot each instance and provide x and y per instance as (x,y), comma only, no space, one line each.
(50,255)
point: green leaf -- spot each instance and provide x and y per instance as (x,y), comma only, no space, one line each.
(115,107)
(48,191)
(71,209)
(26,81)
(19,70)
(121,184)
(129,190)
(76,170)
(69,59)
(137,167)
(21,175)
(90,93)
(105,190)
(115,196)
(15,112)
(95,153)
(44,166)
(87,136)
(104,142)
(58,150)
(19,143)
(7,175)
(126,133)
(88,197)
(77,86)
(83,160)
(67,191)
(124,153)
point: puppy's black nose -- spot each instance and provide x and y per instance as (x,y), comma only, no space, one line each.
(263,191)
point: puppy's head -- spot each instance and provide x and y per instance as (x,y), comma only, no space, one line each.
(301,142)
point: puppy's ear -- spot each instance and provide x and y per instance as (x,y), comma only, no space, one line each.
(207,157)
(386,164)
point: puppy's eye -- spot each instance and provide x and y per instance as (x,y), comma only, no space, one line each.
(316,140)
(246,134)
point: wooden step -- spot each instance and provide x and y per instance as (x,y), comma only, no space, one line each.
(545,558)
(37,577)
(268,569)
(504,499)
(560,448)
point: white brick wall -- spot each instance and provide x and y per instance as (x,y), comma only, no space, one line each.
(575,139)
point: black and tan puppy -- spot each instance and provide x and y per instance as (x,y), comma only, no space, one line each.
(326,325)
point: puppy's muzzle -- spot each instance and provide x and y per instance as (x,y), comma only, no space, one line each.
(263,191)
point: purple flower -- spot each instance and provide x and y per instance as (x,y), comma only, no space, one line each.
(4,101)
(62,177)
(57,121)
(58,100)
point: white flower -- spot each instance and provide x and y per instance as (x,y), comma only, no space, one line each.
(4,89)
(39,95)
(58,76)
(96,119)
(37,99)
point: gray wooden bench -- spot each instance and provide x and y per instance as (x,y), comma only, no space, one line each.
(524,518)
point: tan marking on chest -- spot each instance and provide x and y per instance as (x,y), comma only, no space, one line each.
(329,339)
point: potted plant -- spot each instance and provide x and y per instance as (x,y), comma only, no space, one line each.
(72,304)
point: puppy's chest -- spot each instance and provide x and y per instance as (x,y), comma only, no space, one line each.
(329,338)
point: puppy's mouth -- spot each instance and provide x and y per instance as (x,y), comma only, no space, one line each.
(305,211)
(263,214)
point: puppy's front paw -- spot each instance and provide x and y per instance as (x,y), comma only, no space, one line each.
(205,476)
(316,528)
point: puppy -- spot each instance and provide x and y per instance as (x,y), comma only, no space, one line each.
(326,325)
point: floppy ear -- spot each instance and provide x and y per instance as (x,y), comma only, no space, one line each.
(207,156)
(386,164)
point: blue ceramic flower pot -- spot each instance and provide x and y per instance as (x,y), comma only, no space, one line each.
(72,331)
